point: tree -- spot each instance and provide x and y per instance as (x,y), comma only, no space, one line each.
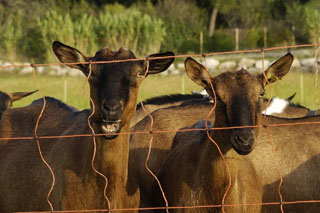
(312,12)
(296,20)
(221,6)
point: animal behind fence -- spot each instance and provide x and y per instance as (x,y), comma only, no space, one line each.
(195,175)
(68,143)
(6,99)
(97,153)
(167,121)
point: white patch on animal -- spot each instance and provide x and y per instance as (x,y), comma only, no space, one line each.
(204,93)
(277,105)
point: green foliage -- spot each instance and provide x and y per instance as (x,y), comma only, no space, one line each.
(296,20)
(76,25)
(32,46)
(28,28)
(183,25)
(11,33)
(254,39)
(84,36)
(114,8)
(130,28)
(54,26)
(180,38)
(312,12)
(219,42)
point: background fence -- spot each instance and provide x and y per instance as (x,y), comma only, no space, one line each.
(154,131)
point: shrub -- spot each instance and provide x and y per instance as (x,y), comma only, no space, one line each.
(254,39)
(219,42)
(183,25)
(11,33)
(180,38)
(139,32)
(55,26)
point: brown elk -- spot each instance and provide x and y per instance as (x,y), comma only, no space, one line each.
(25,180)
(6,99)
(192,174)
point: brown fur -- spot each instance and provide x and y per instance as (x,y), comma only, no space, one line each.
(113,88)
(296,152)
(292,110)
(194,173)
(160,102)
(172,118)
(6,99)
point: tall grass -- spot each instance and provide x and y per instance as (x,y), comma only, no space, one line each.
(11,34)
(154,85)
(111,28)
(130,28)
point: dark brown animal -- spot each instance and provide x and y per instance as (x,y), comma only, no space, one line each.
(21,122)
(175,118)
(165,101)
(172,118)
(194,172)
(191,174)
(6,99)
(25,180)
(285,108)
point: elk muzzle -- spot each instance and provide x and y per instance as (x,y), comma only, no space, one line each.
(111,118)
(242,140)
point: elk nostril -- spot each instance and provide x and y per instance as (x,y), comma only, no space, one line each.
(111,107)
(245,141)
(107,107)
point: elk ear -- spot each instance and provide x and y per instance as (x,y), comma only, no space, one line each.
(67,54)
(5,102)
(19,95)
(160,65)
(278,69)
(196,72)
(291,97)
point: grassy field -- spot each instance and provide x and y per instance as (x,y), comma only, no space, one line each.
(70,89)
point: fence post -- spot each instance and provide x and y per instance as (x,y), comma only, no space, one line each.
(265,32)
(201,42)
(293,39)
(237,38)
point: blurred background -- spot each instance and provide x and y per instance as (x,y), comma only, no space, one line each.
(28,28)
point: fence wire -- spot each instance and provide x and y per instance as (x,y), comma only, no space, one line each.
(151,132)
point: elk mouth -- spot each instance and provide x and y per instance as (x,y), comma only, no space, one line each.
(110,128)
(242,145)
(243,150)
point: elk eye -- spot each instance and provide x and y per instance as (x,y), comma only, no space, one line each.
(140,74)
(262,93)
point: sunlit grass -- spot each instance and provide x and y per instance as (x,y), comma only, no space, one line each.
(70,89)
(303,84)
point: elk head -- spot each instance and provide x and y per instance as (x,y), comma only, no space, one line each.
(113,85)
(238,99)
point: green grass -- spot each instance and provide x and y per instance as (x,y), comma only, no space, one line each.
(50,86)
(70,89)
(303,84)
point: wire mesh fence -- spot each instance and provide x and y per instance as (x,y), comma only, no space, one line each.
(151,132)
